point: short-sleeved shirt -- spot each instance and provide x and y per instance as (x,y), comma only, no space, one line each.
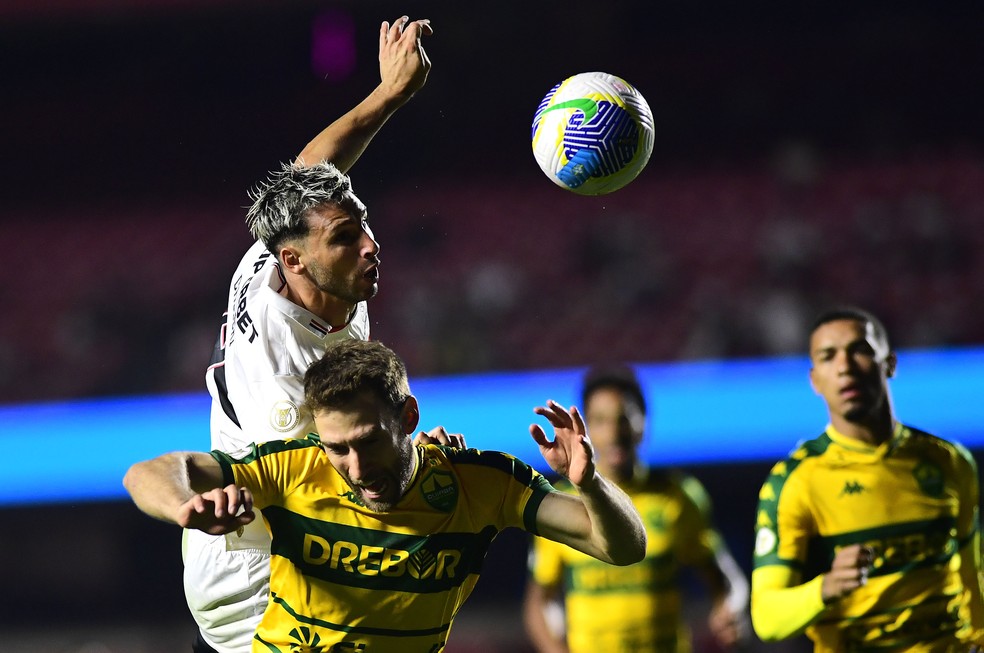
(343,575)
(635,608)
(913,500)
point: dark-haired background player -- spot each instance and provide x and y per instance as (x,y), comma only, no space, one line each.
(892,510)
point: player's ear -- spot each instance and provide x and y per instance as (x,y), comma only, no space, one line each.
(410,415)
(890,362)
(290,257)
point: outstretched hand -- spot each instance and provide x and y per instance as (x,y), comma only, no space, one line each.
(217,511)
(403,63)
(570,453)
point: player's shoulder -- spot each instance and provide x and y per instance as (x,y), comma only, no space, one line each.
(309,444)
(910,436)
(806,455)
(479,461)
(805,451)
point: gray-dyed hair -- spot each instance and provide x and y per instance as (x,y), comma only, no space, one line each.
(281,202)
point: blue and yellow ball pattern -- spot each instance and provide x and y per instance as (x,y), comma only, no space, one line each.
(592,133)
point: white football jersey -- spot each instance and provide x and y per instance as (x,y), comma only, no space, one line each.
(256,380)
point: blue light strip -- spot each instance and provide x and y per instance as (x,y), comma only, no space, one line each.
(701,413)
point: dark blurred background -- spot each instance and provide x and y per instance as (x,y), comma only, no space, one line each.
(806,154)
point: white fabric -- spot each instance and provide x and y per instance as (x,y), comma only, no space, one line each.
(269,342)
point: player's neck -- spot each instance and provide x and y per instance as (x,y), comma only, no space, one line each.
(336,312)
(873,431)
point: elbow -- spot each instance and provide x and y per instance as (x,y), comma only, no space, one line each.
(131,478)
(633,551)
(766,634)
(767,626)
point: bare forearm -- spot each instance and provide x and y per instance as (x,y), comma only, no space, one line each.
(617,530)
(343,141)
(161,485)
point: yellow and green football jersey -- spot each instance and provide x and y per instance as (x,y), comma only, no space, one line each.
(914,501)
(635,608)
(345,578)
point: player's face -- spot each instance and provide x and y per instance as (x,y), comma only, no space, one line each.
(615,424)
(340,253)
(369,447)
(850,368)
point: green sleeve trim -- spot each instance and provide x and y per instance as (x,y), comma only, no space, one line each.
(225,462)
(540,491)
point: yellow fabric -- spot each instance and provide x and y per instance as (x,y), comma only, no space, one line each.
(388,582)
(913,500)
(635,608)
(781,606)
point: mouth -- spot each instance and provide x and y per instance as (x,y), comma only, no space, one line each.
(372,274)
(373,491)
(850,392)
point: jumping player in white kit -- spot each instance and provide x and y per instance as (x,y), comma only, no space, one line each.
(305,282)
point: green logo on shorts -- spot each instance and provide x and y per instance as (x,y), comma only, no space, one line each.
(440,490)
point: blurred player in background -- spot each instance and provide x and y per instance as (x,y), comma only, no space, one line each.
(302,285)
(891,511)
(638,608)
(377,543)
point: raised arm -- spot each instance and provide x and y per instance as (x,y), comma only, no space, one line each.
(601,521)
(403,68)
(185,488)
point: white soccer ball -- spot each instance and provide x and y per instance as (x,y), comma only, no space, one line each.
(593,133)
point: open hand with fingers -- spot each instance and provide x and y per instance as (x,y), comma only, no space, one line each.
(218,511)
(570,453)
(403,62)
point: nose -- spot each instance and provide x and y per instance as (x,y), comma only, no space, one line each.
(844,362)
(353,466)
(370,247)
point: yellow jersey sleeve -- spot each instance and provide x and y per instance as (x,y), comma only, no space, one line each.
(267,469)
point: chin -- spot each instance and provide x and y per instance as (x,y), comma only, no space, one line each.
(857,414)
(379,506)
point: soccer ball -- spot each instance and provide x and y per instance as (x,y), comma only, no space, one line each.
(592,133)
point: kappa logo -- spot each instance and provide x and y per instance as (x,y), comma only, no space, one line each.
(853,487)
(353,497)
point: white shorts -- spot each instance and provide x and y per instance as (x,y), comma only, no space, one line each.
(226,590)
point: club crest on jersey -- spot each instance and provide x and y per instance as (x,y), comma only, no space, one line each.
(284,416)
(440,490)
(930,478)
